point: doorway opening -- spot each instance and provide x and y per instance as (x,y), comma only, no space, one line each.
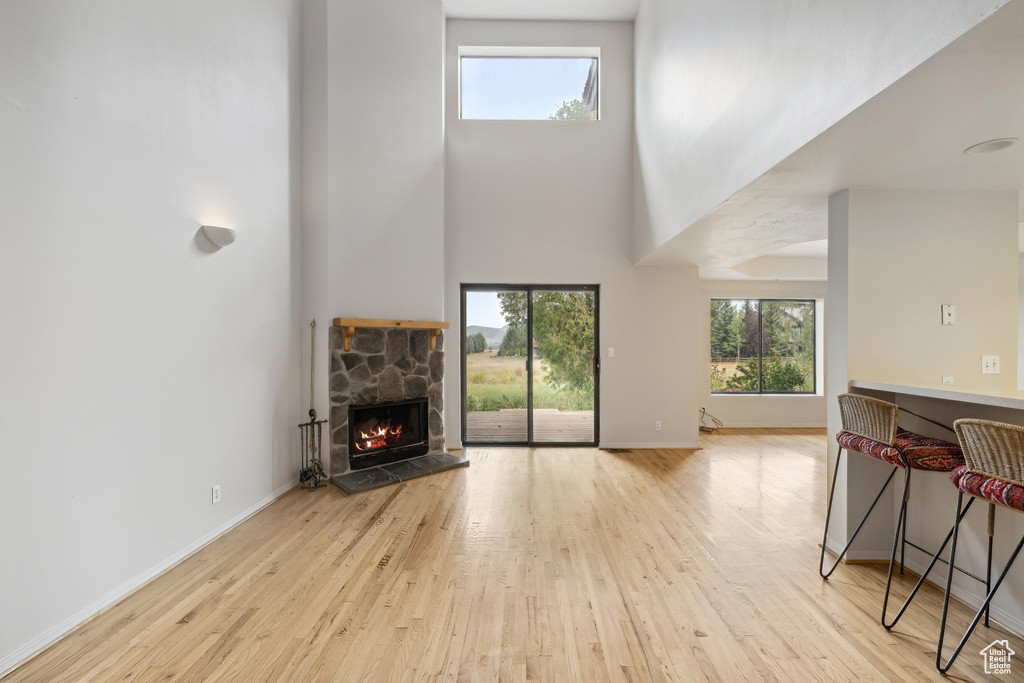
(530,371)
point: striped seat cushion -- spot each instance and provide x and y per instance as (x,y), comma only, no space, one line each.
(995,490)
(923,453)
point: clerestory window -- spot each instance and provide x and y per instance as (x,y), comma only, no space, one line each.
(507,83)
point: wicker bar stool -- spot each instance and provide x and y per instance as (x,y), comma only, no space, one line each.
(994,472)
(870,428)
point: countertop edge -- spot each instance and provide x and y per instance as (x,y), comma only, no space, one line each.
(944,394)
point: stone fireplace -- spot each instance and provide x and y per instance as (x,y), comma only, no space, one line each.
(387,403)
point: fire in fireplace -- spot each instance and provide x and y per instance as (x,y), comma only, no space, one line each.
(387,432)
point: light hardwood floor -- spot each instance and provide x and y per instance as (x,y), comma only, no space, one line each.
(547,564)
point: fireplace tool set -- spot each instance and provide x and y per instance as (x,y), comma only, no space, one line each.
(312,474)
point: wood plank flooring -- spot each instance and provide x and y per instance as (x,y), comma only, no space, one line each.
(531,565)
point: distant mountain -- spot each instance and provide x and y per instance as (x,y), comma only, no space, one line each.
(493,335)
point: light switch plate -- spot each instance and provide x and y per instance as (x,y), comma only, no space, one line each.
(948,314)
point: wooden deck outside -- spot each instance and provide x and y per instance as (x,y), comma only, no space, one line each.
(548,425)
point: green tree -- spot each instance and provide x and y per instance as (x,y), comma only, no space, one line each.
(782,375)
(750,324)
(745,378)
(514,341)
(563,327)
(573,110)
(772,335)
(475,343)
(722,343)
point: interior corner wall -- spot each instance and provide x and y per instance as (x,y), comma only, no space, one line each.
(837,378)
(767,410)
(316,236)
(550,202)
(726,90)
(385,159)
(1020,322)
(139,366)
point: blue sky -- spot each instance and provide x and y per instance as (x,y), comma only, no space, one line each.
(482,308)
(520,87)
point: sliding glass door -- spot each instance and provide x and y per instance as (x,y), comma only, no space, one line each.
(529,369)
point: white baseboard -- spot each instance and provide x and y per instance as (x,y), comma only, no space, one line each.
(637,445)
(788,425)
(640,445)
(859,555)
(971,598)
(12,660)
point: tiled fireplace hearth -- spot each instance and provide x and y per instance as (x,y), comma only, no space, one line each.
(386,403)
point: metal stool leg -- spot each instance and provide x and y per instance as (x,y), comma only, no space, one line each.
(828,517)
(901,526)
(984,606)
(925,574)
(988,566)
(903,512)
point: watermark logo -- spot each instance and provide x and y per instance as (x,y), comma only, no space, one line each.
(997,657)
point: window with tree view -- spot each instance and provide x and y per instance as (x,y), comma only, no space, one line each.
(762,346)
(523,84)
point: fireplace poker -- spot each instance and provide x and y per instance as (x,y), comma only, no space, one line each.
(310,433)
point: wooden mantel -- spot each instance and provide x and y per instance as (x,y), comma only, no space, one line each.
(350,325)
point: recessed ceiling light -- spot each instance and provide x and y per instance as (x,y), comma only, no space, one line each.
(991,146)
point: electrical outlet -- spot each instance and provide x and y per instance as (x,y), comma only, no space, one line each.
(657,425)
(990,365)
(947,380)
(611,351)
(216,493)
(948,314)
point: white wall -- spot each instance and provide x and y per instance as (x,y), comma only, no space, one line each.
(837,362)
(768,410)
(373,138)
(316,272)
(912,251)
(725,90)
(137,368)
(1020,322)
(908,253)
(551,202)
(386,159)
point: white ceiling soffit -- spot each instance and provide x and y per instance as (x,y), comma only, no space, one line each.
(815,249)
(543,10)
(803,261)
(910,136)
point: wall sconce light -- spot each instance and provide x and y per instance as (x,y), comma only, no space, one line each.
(221,237)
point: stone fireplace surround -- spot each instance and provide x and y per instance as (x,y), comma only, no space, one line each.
(384,365)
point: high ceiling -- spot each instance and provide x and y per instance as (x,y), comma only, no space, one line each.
(910,136)
(546,10)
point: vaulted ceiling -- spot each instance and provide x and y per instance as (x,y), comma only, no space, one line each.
(910,136)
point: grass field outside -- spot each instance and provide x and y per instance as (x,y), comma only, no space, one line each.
(724,370)
(496,382)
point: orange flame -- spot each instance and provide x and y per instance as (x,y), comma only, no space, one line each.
(382,436)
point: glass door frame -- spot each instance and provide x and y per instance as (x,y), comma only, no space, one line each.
(529,290)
